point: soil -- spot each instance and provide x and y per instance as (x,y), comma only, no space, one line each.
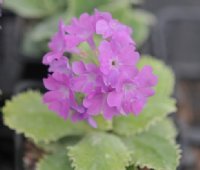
(31,155)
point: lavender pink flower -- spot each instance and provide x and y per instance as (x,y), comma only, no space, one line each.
(60,43)
(110,88)
(60,97)
(82,29)
(87,79)
(117,61)
(131,94)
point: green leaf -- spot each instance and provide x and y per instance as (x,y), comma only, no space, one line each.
(154,111)
(37,37)
(103,124)
(27,114)
(140,21)
(35,8)
(57,158)
(58,145)
(99,151)
(56,161)
(165,128)
(166,79)
(153,150)
(33,49)
(79,6)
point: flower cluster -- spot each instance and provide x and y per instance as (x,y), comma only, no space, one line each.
(115,86)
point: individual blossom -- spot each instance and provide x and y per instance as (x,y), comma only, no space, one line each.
(81,116)
(82,29)
(96,104)
(99,15)
(59,44)
(87,77)
(60,65)
(117,62)
(107,28)
(60,97)
(131,94)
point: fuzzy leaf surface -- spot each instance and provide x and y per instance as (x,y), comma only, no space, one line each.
(154,149)
(154,111)
(26,113)
(99,151)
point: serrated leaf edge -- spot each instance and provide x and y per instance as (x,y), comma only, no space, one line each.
(20,130)
(178,153)
(72,159)
(150,123)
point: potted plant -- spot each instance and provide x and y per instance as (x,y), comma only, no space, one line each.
(111,104)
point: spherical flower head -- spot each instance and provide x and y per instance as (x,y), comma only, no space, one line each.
(110,86)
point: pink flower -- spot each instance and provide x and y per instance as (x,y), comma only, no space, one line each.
(97,104)
(60,98)
(77,116)
(107,28)
(60,65)
(88,77)
(82,29)
(112,87)
(98,15)
(131,95)
(117,61)
(60,43)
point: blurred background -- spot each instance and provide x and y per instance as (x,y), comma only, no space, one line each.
(166,29)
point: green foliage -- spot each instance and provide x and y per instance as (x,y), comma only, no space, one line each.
(50,11)
(146,140)
(36,39)
(153,149)
(80,6)
(27,114)
(35,8)
(99,151)
(155,111)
